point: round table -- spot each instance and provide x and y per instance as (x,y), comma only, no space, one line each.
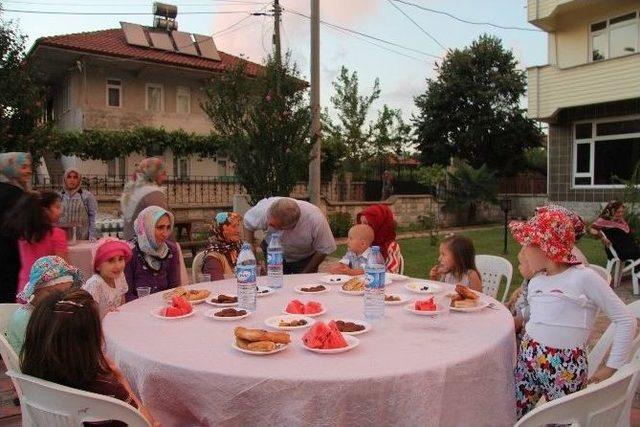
(408,370)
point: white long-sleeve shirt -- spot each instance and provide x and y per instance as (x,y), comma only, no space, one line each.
(563,308)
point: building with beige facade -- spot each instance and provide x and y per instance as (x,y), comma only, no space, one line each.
(131,77)
(589,94)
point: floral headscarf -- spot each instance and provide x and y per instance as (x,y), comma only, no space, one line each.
(145,228)
(10,165)
(219,243)
(49,271)
(380,218)
(576,220)
(71,191)
(551,231)
(146,174)
(606,218)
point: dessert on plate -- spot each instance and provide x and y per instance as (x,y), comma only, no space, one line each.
(259,339)
(464,298)
(353,285)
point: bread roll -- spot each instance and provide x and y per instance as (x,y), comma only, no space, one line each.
(256,335)
(261,346)
(465,303)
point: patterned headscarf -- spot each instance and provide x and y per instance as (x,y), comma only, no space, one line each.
(145,228)
(576,220)
(551,231)
(219,243)
(49,271)
(10,165)
(146,174)
(71,191)
(606,218)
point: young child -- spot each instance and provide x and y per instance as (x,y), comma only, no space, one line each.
(64,344)
(108,285)
(154,261)
(48,274)
(358,244)
(457,263)
(563,303)
(31,220)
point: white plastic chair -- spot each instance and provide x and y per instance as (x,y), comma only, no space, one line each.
(50,404)
(196,266)
(492,269)
(9,355)
(602,272)
(601,404)
(618,268)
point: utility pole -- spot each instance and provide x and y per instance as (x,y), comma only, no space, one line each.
(276,33)
(316,141)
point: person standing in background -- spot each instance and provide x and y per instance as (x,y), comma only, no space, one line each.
(387,185)
(79,207)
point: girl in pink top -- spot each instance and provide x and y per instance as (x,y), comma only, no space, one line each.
(32,221)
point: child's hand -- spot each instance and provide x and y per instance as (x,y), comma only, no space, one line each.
(601,375)
(338,268)
(435,273)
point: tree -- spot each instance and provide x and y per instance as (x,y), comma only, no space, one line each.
(468,187)
(351,133)
(21,95)
(471,110)
(265,133)
(390,133)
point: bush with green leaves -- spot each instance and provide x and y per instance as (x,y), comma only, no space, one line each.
(468,188)
(340,223)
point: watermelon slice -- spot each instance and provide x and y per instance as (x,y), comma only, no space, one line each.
(312,307)
(316,335)
(335,339)
(181,303)
(172,311)
(426,305)
(295,307)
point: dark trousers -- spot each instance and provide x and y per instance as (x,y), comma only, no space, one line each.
(293,267)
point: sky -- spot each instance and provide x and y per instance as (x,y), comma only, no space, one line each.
(402,71)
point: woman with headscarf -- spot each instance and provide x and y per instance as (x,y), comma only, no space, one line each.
(221,254)
(143,190)
(612,228)
(79,206)
(15,179)
(380,218)
(154,262)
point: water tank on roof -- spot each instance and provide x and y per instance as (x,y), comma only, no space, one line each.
(165,24)
(165,10)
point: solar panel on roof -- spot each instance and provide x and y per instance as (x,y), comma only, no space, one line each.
(134,34)
(184,43)
(207,47)
(161,40)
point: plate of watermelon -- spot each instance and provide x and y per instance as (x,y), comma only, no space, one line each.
(179,309)
(311,308)
(327,339)
(427,307)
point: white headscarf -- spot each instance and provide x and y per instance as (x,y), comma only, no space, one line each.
(10,165)
(145,229)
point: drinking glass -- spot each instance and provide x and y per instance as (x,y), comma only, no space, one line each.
(204,278)
(143,291)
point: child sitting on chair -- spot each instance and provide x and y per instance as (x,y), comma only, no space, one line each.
(48,274)
(358,244)
(563,303)
(457,263)
(108,285)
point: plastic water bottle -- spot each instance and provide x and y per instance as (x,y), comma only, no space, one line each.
(246,278)
(274,262)
(374,287)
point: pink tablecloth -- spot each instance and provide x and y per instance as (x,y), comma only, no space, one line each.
(81,257)
(406,371)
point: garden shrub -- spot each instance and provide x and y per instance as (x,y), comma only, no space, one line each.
(340,223)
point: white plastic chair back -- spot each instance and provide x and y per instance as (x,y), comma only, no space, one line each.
(196,266)
(9,355)
(602,272)
(601,404)
(492,269)
(50,404)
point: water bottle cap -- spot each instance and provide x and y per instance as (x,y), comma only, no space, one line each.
(246,245)
(375,248)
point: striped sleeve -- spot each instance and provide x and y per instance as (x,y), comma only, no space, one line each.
(394,258)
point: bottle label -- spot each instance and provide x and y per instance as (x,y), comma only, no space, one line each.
(274,258)
(374,280)
(246,273)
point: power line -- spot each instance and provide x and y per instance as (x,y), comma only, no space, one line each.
(51,12)
(369,36)
(490,24)
(232,2)
(417,25)
(255,13)
(248,24)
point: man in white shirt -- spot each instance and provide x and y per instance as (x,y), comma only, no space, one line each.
(306,237)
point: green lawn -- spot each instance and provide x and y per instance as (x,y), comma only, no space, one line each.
(420,256)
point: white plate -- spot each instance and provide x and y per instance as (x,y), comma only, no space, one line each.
(217,304)
(403,299)
(299,290)
(261,293)
(397,277)
(211,315)
(481,305)
(274,322)
(410,308)
(387,280)
(335,279)
(352,342)
(324,310)
(367,326)
(156,313)
(279,348)
(416,287)
(355,293)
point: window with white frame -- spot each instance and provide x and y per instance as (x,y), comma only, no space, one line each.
(114,93)
(155,97)
(116,168)
(181,166)
(605,151)
(614,37)
(183,100)
(66,95)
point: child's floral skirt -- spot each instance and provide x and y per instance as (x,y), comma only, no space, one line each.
(549,372)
